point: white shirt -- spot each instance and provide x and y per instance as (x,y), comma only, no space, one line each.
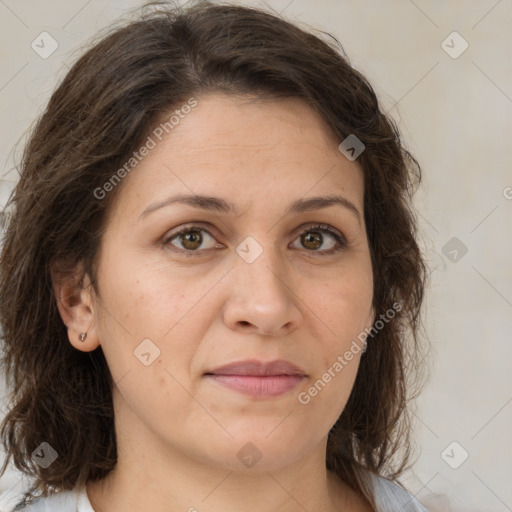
(388,498)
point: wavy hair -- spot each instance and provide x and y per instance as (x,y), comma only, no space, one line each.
(98,115)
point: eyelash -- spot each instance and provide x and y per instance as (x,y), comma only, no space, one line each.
(325,228)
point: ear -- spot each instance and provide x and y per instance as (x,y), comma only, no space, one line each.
(75,301)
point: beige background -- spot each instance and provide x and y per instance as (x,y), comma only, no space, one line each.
(456,116)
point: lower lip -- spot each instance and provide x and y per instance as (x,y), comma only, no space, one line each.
(259,386)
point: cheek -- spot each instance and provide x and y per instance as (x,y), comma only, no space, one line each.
(340,309)
(148,329)
(342,301)
(144,299)
(148,297)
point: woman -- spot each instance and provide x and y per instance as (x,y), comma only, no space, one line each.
(211,283)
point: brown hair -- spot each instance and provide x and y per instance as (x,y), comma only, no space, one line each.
(100,113)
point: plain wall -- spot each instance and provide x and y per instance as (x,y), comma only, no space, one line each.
(455,112)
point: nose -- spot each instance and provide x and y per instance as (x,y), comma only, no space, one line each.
(262,299)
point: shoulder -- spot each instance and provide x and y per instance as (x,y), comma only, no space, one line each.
(64,501)
(388,496)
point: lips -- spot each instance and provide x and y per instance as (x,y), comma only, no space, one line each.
(257,378)
(258,368)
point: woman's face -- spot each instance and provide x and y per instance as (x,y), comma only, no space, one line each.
(254,278)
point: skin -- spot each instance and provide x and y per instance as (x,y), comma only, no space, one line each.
(179,433)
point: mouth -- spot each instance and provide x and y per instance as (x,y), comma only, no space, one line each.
(257,378)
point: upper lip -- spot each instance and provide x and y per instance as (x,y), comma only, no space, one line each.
(258,368)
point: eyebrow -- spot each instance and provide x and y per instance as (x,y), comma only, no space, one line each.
(216,204)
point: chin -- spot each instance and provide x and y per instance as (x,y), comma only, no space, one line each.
(259,449)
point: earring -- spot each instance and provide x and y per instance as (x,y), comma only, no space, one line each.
(82,336)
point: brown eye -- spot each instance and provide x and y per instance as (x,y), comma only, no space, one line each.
(312,240)
(191,239)
(314,237)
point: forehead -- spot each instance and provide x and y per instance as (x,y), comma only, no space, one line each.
(248,150)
